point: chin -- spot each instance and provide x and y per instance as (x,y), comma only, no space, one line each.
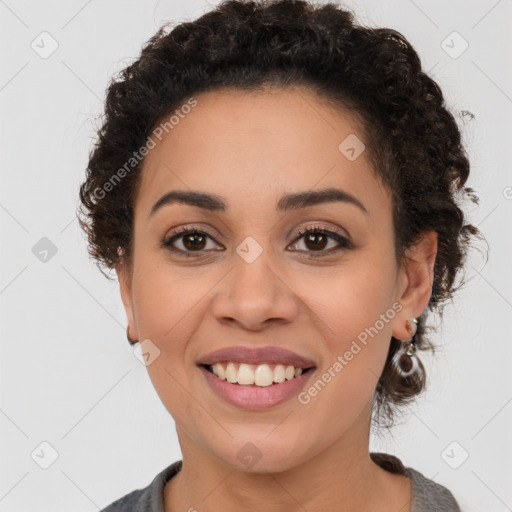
(262,454)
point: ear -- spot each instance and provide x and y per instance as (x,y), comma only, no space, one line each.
(124,277)
(416,282)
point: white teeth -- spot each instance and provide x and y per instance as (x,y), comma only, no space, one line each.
(218,369)
(231,373)
(279,373)
(245,374)
(261,375)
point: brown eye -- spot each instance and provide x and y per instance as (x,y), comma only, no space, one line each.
(191,239)
(316,240)
(194,241)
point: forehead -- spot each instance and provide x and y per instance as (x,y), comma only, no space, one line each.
(255,145)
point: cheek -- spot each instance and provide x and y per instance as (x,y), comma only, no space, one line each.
(344,388)
(166,302)
(169,305)
(351,299)
(353,311)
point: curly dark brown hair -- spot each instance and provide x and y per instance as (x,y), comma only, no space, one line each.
(375,73)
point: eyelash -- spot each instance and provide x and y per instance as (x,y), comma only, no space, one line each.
(181,232)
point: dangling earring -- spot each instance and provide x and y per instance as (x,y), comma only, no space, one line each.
(132,342)
(405,360)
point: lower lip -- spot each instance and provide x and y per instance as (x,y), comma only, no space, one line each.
(256,397)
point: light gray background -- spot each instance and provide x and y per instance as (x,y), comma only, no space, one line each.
(69,377)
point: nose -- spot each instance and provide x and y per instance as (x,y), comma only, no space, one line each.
(254,293)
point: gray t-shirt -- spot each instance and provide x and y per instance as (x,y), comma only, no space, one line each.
(427,495)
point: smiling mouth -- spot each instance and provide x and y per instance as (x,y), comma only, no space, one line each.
(279,375)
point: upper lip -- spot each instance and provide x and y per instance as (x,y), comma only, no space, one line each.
(257,355)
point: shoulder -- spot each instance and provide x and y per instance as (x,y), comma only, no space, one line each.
(427,495)
(148,499)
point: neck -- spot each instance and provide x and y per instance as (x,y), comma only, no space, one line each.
(342,478)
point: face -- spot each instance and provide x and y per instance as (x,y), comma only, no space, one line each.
(247,277)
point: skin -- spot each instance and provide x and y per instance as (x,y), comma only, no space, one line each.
(251,148)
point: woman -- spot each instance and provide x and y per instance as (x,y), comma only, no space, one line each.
(277,190)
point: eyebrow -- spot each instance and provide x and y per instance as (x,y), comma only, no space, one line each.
(288,202)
